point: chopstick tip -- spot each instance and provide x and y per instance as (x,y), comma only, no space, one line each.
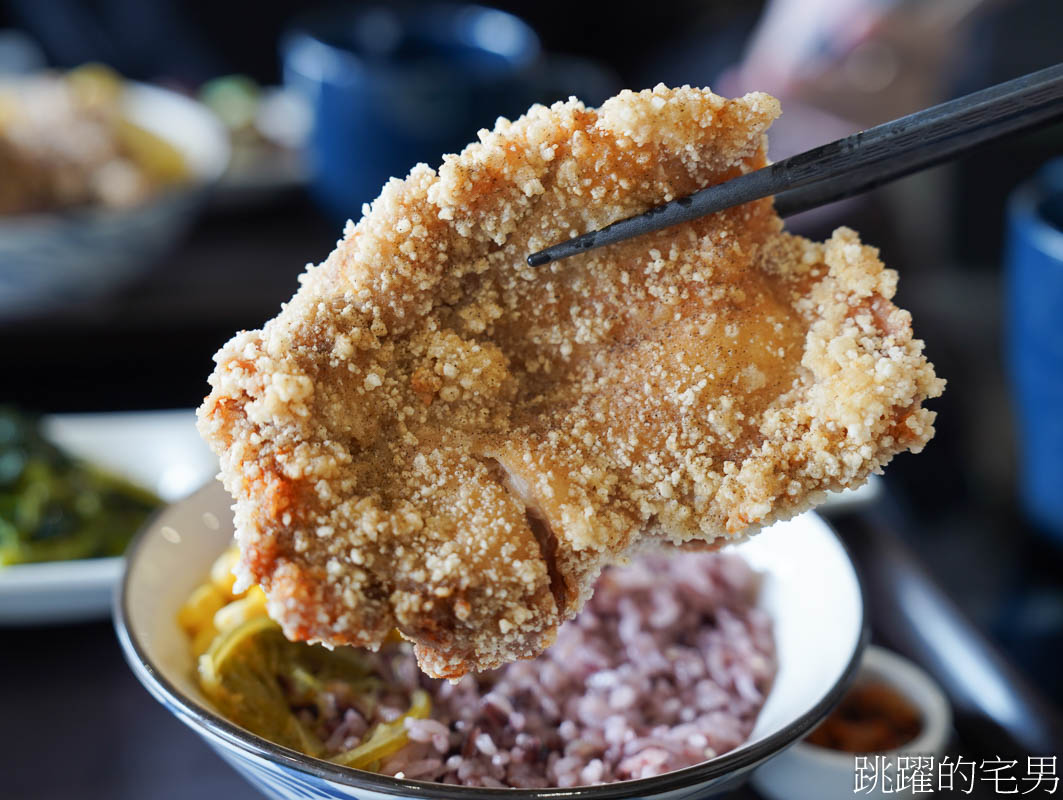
(539,259)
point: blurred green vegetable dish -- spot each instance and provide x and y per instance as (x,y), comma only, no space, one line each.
(56,507)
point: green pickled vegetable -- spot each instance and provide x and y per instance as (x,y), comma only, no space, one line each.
(278,689)
(55,507)
(241,674)
(256,677)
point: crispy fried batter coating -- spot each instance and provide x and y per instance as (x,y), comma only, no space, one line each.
(435,437)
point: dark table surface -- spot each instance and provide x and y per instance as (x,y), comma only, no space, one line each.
(76,724)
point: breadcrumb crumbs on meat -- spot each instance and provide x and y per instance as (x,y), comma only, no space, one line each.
(433,436)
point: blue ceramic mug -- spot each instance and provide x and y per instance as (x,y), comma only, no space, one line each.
(1035,341)
(390,85)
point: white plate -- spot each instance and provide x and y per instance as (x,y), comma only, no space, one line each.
(160,450)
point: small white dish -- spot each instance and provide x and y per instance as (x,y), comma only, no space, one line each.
(809,772)
(160,450)
(809,588)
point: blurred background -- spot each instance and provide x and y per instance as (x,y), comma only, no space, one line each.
(125,265)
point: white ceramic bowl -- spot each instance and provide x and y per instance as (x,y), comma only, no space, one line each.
(53,259)
(810,589)
(808,772)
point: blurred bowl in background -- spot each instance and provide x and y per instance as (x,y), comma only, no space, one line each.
(59,258)
(1034,341)
(267,127)
(391,85)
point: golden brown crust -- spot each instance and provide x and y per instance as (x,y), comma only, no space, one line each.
(433,436)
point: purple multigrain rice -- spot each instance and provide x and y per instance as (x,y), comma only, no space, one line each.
(667,665)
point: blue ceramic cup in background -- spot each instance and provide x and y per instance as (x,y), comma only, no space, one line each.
(1035,341)
(391,85)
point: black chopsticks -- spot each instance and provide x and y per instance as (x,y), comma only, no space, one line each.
(856,163)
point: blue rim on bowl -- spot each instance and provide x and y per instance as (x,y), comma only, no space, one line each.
(727,767)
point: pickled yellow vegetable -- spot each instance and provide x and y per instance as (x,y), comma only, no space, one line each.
(240,674)
(95,84)
(221,571)
(159,159)
(203,639)
(199,609)
(253,674)
(257,678)
(387,738)
(240,611)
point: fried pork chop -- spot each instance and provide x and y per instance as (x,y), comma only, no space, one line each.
(434,437)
